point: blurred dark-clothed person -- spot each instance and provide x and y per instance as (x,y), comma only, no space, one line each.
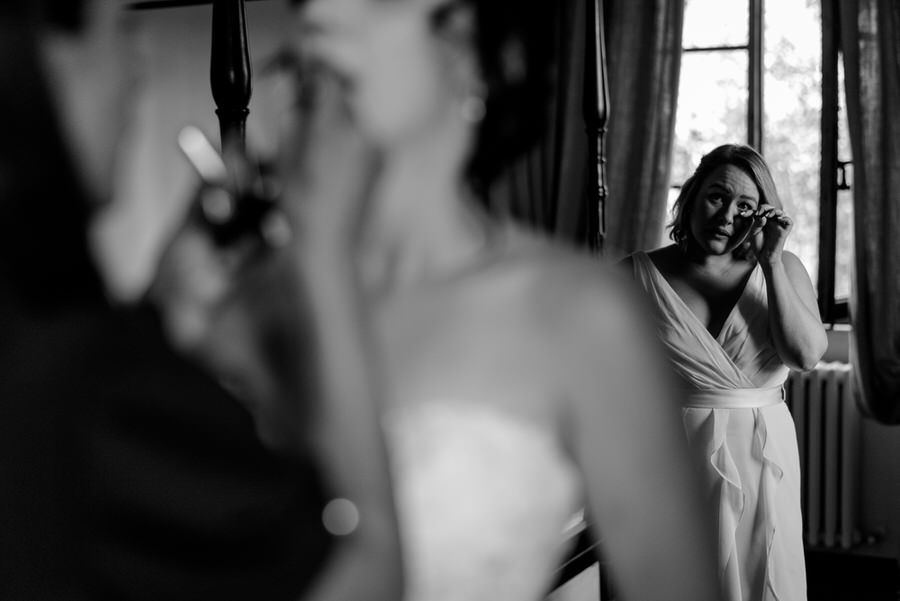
(126,472)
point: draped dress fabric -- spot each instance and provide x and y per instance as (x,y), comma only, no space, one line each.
(736,420)
(484,498)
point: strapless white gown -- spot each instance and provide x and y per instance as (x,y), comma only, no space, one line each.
(484,499)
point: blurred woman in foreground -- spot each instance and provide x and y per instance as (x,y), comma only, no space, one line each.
(520,383)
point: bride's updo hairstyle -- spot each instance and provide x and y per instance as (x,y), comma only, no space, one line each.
(514,41)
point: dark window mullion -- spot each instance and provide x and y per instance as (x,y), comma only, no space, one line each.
(714,48)
(828,171)
(755,76)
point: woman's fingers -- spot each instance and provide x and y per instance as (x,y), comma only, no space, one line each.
(782,218)
(758,219)
(759,222)
(768,213)
(320,115)
(328,167)
(764,211)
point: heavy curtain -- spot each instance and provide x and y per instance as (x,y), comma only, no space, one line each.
(548,188)
(870,40)
(643,47)
(553,187)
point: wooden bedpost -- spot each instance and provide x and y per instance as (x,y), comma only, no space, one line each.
(596,117)
(229,69)
(229,65)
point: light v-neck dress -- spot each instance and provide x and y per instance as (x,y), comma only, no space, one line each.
(736,420)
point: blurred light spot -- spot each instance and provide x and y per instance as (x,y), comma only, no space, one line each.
(340,517)
(275,229)
(217,205)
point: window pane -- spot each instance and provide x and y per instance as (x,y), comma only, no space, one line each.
(712,107)
(792,127)
(715,23)
(843,264)
(844,152)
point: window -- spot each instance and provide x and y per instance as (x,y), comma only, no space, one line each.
(753,72)
(843,205)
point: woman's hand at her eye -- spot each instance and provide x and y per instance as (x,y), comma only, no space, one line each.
(768,232)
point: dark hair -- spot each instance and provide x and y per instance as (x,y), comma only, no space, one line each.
(65,15)
(739,155)
(515,43)
(44,259)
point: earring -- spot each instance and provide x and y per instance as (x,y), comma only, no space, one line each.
(473,108)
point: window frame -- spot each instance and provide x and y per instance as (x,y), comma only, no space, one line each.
(833,310)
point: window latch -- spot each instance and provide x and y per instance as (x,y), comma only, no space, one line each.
(842,175)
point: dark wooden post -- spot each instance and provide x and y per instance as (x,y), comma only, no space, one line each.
(229,69)
(755,75)
(828,185)
(596,113)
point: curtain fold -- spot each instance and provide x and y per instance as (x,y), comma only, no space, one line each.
(552,188)
(643,46)
(548,188)
(870,40)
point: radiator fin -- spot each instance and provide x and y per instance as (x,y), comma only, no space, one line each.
(827,422)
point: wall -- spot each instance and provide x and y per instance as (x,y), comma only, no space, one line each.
(880,488)
(879,475)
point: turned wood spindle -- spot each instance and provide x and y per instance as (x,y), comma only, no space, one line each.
(596,115)
(229,69)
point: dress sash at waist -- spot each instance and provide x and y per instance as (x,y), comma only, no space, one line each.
(735,398)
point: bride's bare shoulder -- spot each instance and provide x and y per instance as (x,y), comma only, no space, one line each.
(592,317)
(573,283)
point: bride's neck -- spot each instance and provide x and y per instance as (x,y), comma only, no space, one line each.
(423,222)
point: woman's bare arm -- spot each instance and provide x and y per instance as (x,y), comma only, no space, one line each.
(794,318)
(346,437)
(326,191)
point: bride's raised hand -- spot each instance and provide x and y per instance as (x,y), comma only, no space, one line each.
(327,171)
(327,167)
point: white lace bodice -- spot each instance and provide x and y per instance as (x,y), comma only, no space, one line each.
(484,498)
